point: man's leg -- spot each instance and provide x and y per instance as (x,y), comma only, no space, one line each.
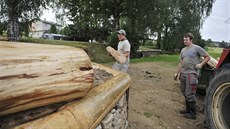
(190,93)
(116,66)
(182,86)
(186,110)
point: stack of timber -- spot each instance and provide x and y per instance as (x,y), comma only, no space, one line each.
(85,113)
(35,77)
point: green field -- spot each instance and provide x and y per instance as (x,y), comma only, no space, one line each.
(173,60)
(215,52)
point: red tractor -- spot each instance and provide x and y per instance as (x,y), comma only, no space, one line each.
(217,100)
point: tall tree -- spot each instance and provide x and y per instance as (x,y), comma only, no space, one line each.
(169,20)
(53,29)
(190,15)
(2,27)
(20,9)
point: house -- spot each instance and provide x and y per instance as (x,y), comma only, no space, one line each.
(42,26)
(54,36)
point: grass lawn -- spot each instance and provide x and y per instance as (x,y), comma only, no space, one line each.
(168,60)
(146,47)
(215,52)
(173,60)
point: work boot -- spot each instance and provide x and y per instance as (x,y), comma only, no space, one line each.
(190,115)
(192,111)
(186,110)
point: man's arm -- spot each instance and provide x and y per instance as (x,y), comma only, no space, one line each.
(206,59)
(178,71)
(179,66)
(126,54)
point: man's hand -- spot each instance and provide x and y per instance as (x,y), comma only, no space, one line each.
(175,76)
(198,66)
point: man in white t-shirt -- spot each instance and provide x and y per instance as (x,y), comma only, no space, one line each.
(124,48)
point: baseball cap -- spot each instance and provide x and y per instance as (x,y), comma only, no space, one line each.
(121,31)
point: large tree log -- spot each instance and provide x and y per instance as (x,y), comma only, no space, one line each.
(117,55)
(34,75)
(87,112)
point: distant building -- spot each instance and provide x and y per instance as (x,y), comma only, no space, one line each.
(54,36)
(42,26)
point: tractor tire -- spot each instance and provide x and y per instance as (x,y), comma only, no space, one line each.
(217,101)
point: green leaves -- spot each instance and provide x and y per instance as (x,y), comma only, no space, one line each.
(21,12)
(169,20)
(53,29)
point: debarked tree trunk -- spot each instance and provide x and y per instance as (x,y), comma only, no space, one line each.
(34,75)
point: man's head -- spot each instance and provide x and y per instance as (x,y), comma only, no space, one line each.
(188,37)
(121,34)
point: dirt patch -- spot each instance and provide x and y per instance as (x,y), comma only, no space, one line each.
(155,99)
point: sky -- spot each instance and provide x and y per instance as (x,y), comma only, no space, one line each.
(48,15)
(214,27)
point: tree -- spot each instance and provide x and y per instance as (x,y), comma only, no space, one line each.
(188,16)
(65,31)
(53,29)
(2,27)
(209,43)
(168,20)
(14,10)
(223,44)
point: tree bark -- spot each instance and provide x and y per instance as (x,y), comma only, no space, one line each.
(159,42)
(34,75)
(13,29)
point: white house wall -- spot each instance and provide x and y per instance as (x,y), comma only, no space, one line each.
(39,27)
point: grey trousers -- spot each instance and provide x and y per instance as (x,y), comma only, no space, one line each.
(124,68)
(121,67)
(188,82)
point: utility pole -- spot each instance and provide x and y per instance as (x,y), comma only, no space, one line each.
(228,22)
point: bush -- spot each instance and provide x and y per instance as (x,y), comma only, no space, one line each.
(53,29)
(113,40)
(149,43)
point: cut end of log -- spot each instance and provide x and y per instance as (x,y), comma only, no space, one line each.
(34,75)
(118,56)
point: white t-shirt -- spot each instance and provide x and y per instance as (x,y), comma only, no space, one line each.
(124,46)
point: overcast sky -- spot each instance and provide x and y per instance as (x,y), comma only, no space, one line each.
(214,27)
(48,15)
